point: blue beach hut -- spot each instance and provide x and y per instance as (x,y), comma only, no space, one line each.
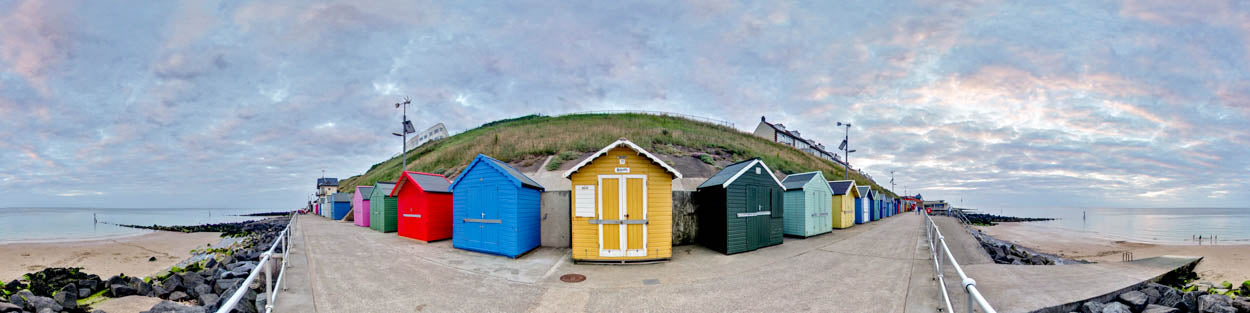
(495,209)
(340,204)
(863,205)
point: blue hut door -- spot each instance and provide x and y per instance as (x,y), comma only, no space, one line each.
(491,221)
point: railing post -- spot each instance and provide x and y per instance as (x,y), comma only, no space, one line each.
(971,303)
(268,279)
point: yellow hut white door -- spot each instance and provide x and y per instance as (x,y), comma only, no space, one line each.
(622,215)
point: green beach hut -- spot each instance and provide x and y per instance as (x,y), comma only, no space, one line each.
(808,205)
(740,208)
(383,209)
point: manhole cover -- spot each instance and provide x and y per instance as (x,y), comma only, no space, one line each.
(573,278)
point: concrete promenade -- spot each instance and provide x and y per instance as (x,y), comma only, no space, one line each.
(1036,288)
(876,267)
(882,266)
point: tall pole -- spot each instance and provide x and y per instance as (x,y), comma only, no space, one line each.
(891,180)
(403,129)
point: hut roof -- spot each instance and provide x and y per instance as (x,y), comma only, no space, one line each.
(797,181)
(428,182)
(508,170)
(626,143)
(841,187)
(733,171)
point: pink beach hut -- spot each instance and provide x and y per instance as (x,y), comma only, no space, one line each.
(360,205)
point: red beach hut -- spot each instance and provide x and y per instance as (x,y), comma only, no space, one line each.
(424,206)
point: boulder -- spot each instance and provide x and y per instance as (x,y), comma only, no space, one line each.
(46,310)
(190,280)
(1170,298)
(1116,307)
(141,287)
(209,300)
(224,284)
(38,303)
(14,285)
(160,291)
(173,283)
(83,293)
(21,298)
(119,279)
(179,296)
(1092,307)
(67,297)
(1152,295)
(1189,301)
(1135,300)
(212,262)
(1242,304)
(173,307)
(121,290)
(1211,300)
(6,307)
(1037,260)
(1155,308)
(201,289)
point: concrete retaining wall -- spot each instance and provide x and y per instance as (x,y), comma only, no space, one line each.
(555,218)
(555,222)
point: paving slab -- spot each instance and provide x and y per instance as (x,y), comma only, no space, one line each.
(867,268)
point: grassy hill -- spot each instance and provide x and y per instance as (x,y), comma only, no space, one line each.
(527,141)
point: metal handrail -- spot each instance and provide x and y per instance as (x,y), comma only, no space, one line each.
(264,265)
(975,298)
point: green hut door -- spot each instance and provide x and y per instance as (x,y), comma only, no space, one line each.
(758,213)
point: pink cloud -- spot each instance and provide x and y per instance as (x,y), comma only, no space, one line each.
(33,38)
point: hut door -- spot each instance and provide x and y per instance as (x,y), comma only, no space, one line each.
(489,221)
(622,215)
(758,202)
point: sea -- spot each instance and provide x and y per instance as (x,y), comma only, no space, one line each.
(1153,225)
(75,224)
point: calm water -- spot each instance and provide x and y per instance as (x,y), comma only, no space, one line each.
(1146,225)
(65,224)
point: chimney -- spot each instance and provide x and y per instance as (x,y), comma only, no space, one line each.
(761,118)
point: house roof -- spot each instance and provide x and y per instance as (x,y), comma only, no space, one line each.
(814,145)
(425,181)
(733,171)
(626,143)
(327,181)
(797,181)
(842,187)
(384,187)
(508,170)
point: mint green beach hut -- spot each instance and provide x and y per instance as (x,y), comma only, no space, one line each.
(383,209)
(808,205)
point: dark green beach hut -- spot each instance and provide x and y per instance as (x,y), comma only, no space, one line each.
(383,209)
(740,208)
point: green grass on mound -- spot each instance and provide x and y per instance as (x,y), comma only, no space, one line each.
(536,136)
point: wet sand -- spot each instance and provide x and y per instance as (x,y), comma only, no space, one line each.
(104,257)
(1220,262)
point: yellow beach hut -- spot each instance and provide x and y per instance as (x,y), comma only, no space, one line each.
(622,205)
(844,195)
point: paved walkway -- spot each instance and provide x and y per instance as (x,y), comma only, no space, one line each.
(1044,288)
(877,267)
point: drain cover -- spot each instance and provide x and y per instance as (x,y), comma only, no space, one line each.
(650,282)
(572,278)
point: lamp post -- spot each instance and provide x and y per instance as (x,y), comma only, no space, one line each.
(892,181)
(405,129)
(846,149)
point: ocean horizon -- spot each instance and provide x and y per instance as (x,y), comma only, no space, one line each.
(1146,225)
(60,224)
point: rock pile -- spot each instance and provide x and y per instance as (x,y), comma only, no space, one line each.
(1156,298)
(990,219)
(200,287)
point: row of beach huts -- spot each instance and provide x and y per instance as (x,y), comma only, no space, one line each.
(621,207)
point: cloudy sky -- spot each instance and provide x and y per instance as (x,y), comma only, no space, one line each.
(242,104)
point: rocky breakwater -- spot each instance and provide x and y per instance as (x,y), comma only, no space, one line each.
(1003,252)
(199,286)
(1157,298)
(991,220)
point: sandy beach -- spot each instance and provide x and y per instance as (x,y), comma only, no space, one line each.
(104,257)
(1220,262)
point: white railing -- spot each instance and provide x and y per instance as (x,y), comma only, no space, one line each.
(937,244)
(659,113)
(267,267)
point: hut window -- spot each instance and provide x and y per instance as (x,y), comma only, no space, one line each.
(757,171)
(621,159)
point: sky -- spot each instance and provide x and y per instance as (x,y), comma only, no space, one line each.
(242,104)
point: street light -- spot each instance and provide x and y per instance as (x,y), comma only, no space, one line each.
(406,128)
(846,149)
